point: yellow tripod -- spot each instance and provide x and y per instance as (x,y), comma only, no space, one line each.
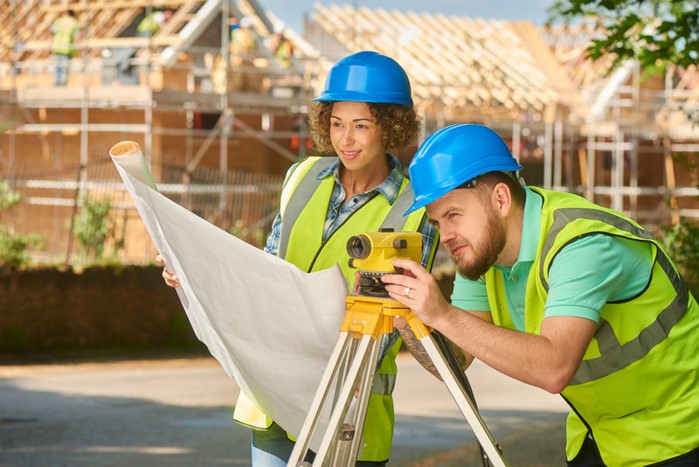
(351,370)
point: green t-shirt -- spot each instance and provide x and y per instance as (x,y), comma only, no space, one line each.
(585,274)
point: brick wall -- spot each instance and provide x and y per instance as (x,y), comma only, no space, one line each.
(98,309)
(46,310)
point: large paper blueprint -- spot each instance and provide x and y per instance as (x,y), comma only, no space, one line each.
(270,325)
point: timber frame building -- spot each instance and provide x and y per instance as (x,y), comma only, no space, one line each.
(221,132)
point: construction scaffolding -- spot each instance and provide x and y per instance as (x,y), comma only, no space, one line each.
(624,140)
(176,92)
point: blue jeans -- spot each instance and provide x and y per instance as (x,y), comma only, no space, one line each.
(61,71)
(272,448)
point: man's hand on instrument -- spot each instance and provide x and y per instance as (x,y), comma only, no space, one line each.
(417,289)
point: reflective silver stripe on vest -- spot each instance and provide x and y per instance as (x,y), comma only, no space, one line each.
(299,198)
(613,355)
(395,220)
(383,384)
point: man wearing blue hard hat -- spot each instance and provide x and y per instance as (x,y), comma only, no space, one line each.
(561,294)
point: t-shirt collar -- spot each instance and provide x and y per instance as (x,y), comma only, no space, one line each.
(531,225)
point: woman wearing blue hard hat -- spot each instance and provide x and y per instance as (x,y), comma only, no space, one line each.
(364,110)
(562,294)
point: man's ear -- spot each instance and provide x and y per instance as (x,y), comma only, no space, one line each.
(502,197)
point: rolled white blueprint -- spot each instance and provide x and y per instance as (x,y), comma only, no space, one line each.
(271,326)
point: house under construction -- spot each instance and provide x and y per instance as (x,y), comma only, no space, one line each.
(220,131)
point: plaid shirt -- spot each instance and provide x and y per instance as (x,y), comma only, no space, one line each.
(338,212)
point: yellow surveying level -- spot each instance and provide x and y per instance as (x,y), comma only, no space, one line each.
(352,365)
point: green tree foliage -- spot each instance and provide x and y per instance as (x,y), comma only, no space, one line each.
(13,246)
(657,33)
(681,242)
(91,227)
(8,197)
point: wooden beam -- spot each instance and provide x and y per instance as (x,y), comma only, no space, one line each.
(116,42)
(83,6)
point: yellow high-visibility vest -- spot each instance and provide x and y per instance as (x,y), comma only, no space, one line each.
(636,392)
(302,245)
(65,30)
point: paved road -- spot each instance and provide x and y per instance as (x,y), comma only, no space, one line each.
(178,413)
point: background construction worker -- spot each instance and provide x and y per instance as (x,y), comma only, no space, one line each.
(364,110)
(561,294)
(283,49)
(152,22)
(243,52)
(66,33)
(244,43)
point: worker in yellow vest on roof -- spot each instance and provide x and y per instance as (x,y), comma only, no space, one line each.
(283,50)
(152,22)
(243,52)
(357,186)
(244,43)
(66,32)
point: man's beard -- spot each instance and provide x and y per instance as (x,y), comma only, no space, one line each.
(486,253)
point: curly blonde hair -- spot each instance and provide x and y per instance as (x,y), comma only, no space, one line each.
(400,125)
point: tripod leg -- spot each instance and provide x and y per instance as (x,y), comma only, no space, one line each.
(352,432)
(456,369)
(346,432)
(311,422)
(367,350)
(465,403)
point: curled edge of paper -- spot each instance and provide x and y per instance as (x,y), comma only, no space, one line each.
(125,148)
(131,151)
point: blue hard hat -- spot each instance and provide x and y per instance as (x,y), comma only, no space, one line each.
(367,77)
(454,155)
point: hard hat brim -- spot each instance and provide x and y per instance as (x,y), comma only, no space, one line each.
(456,182)
(368,97)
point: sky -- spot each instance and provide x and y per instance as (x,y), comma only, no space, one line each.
(293,11)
